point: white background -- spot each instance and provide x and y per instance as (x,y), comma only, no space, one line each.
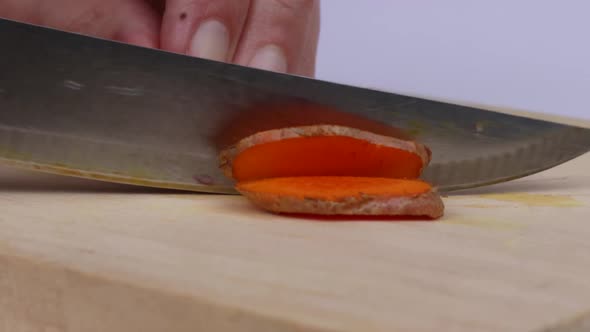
(532,55)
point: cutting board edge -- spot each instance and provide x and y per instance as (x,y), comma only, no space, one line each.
(70,284)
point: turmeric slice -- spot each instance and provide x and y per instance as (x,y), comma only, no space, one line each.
(323,150)
(260,117)
(334,195)
(332,170)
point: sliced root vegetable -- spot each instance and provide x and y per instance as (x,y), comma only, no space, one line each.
(322,150)
(266,116)
(335,195)
(332,170)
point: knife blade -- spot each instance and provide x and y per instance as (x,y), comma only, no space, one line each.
(83,106)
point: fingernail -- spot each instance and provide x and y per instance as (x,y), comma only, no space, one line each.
(270,57)
(211,41)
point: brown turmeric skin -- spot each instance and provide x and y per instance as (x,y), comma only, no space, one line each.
(334,195)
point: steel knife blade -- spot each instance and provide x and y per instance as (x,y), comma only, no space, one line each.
(83,106)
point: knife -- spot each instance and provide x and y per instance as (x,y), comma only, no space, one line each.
(87,107)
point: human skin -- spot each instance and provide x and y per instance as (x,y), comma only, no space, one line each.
(277,35)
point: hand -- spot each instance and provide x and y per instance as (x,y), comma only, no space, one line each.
(278,35)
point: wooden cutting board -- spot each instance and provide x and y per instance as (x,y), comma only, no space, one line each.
(78,255)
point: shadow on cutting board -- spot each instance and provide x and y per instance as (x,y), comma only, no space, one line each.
(563,183)
(17,180)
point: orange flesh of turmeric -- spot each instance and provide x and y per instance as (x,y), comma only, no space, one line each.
(334,188)
(325,155)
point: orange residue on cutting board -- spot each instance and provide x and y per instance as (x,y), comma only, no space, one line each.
(487,223)
(481,206)
(535,199)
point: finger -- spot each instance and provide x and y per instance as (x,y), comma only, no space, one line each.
(281,35)
(131,21)
(139,24)
(204,28)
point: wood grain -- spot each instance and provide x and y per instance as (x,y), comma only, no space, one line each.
(78,255)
